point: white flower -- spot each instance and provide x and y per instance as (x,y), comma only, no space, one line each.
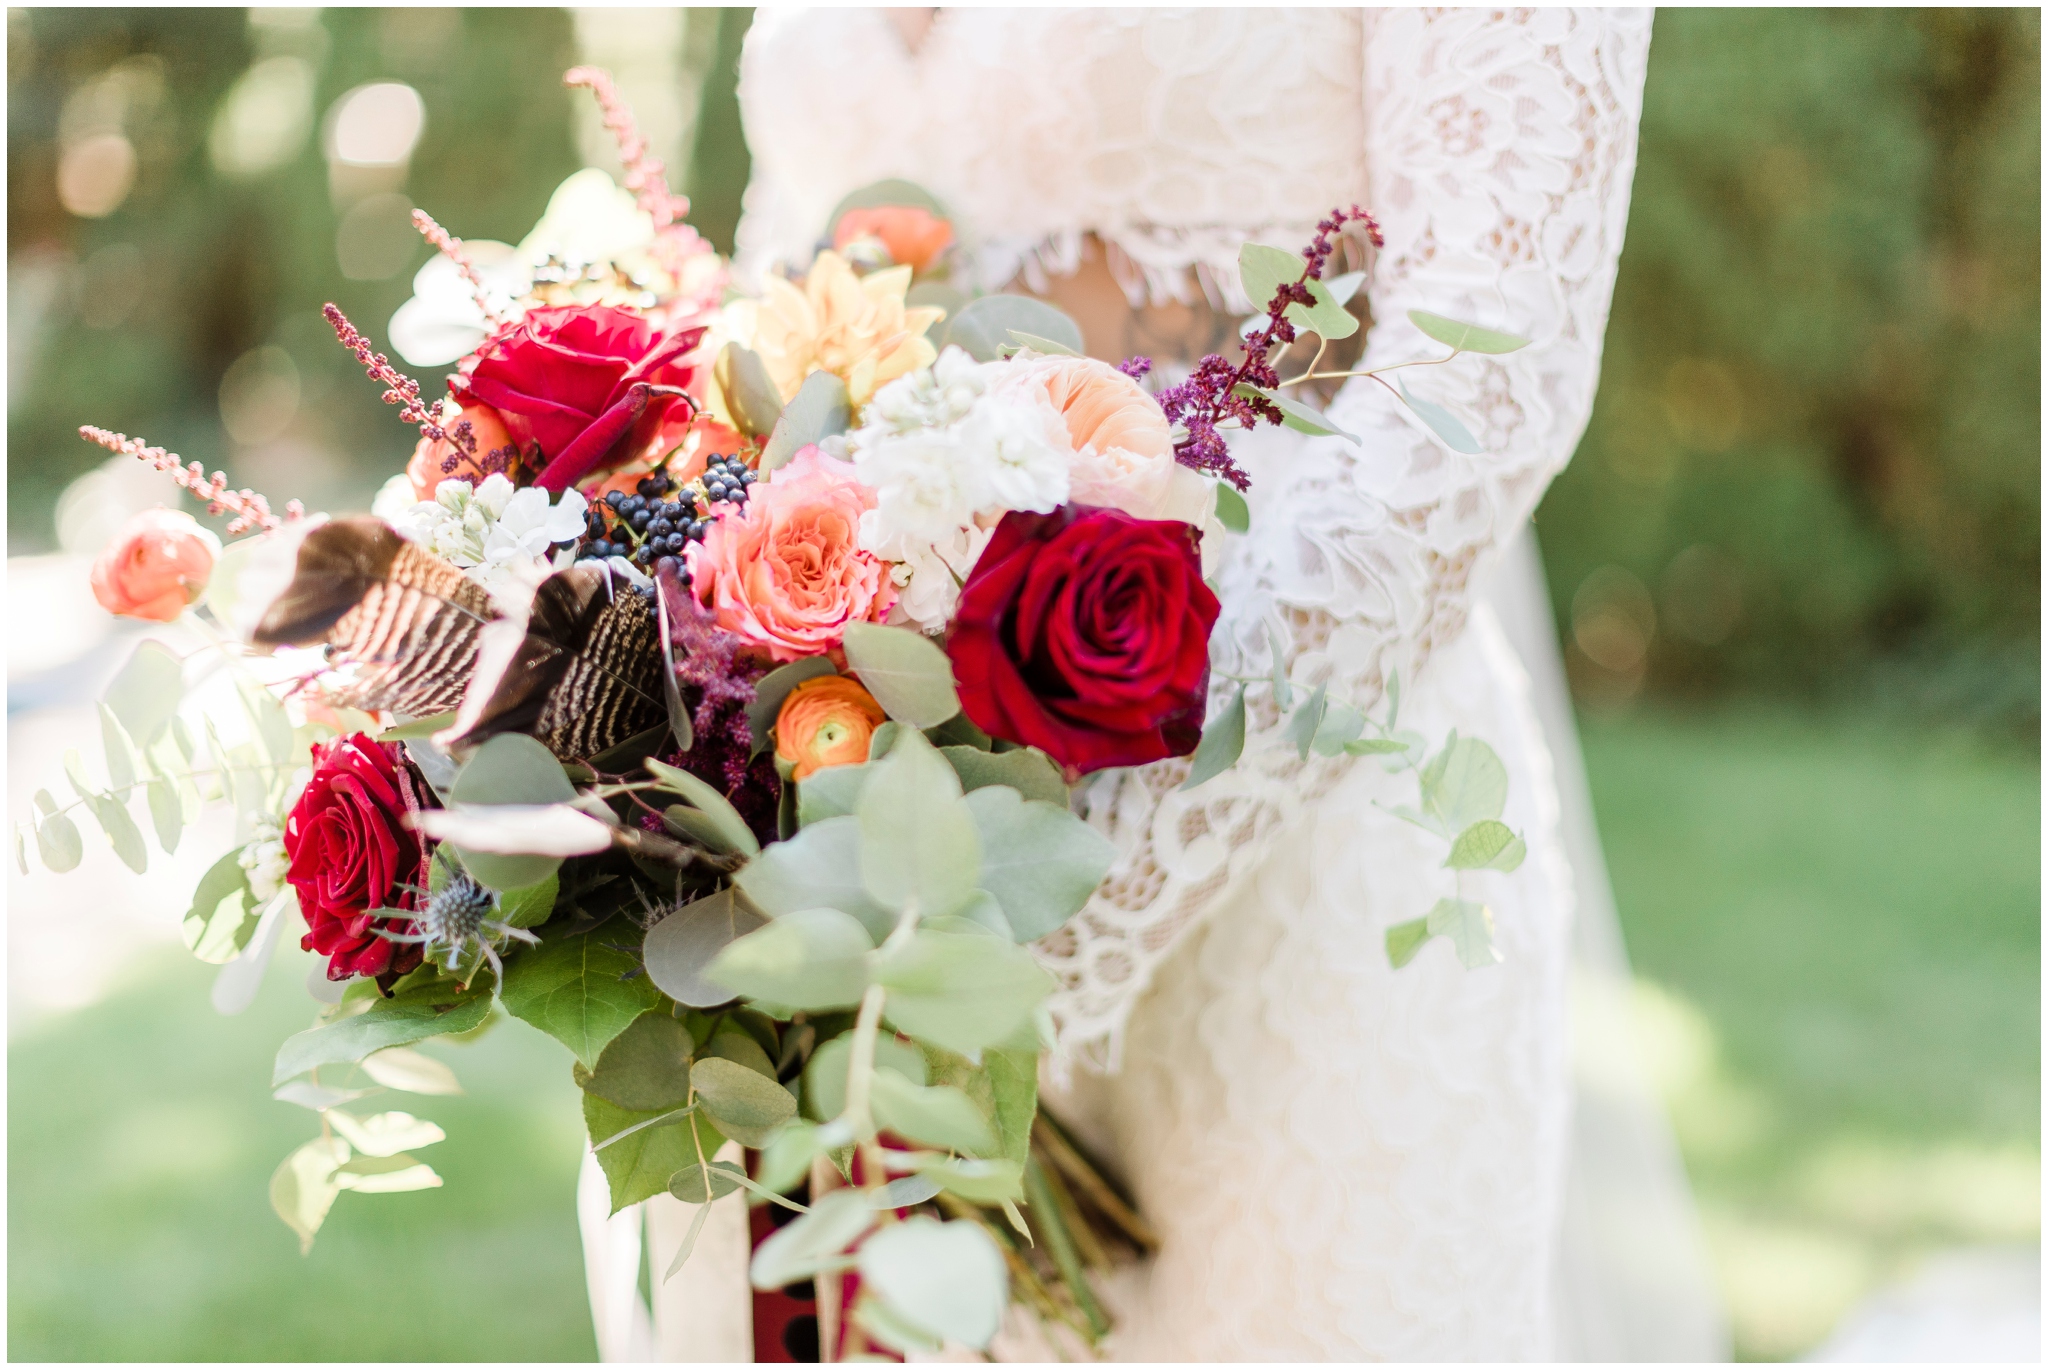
(441,323)
(395,499)
(928,576)
(265,860)
(496,531)
(935,397)
(926,482)
(1019,441)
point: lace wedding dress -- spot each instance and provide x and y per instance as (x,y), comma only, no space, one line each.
(1344,1161)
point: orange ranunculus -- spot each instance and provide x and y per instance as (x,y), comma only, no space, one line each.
(431,461)
(914,236)
(155,566)
(786,572)
(1123,446)
(825,721)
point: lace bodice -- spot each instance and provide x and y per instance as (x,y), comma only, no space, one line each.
(1496,149)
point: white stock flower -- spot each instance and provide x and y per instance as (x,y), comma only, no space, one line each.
(926,483)
(265,860)
(496,531)
(934,397)
(928,575)
(1019,441)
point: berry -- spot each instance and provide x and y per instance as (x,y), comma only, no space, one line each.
(615,498)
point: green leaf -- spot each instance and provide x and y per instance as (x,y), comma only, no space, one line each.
(393,1022)
(819,868)
(302,1189)
(750,394)
(400,1174)
(820,409)
(1343,287)
(528,907)
(120,751)
(889,1330)
(830,793)
(715,806)
(698,1183)
(1373,746)
(59,844)
(1301,729)
(638,1166)
(946,1277)
(1442,422)
(1340,727)
(983,328)
(418,729)
(811,959)
(165,813)
(681,947)
(918,843)
(1263,270)
(825,1072)
(1221,745)
(679,725)
(384,1134)
(977,1181)
(1486,844)
(1405,939)
(786,1160)
(1283,689)
(1039,861)
(1464,784)
(1033,343)
(223,913)
(813,1241)
(1465,337)
(511,768)
(1231,510)
(272,726)
(411,1071)
(1294,414)
(646,1068)
(148,691)
(121,831)
(961,991)
(689,1243)
(772,689)
(934,1115)
(1026,770)
(904,670)
(583,991)
(745,1105)
(1470,928)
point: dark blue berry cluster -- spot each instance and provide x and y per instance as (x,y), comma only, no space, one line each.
(662,519)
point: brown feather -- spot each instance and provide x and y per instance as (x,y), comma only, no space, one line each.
(585,676)
(407,621)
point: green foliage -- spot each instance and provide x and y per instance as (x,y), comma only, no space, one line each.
(919,846)
(431,1011)
(904,670)
(646,1068)
(1221,745)
(984,328)
(1038,860)
(946,1279)
(820,409)
(773,688)
(813,958)
(223,913)
(681,947)
(813,1242)
(1442,422)
(744,1104)
(720,816)
(582,991)
(1464,337)
(961,991)
(639,1164)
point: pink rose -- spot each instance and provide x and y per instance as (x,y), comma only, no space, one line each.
(155,566)
(785,573)
(1123,446)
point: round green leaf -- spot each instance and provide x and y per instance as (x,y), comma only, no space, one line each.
(691,1182)
(681,947)
(646,1068)
(905,671)
(512,768)
(1465,337)
(1039,861)
(811,959)
(947,1277)
(983,328)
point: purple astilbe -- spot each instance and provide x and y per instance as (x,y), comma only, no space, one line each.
(1212,395)
(1137,368)
(400,389)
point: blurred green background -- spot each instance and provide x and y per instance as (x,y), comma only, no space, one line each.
(1796,565)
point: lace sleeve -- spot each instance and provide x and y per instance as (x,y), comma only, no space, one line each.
(1499,149)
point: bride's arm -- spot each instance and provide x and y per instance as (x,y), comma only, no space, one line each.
(1500,150)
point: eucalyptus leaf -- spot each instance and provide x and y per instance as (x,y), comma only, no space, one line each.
(698,1183)
(982,329)
(1374,746)
(223,913)
(713,804)
(819,868)
(904,1192)
(59,843)
(689,1242)
(772,689)
(698,828)
(1296,415)
(679,724)
(1465,337)
(811,959)
(820,409)
(1221,745)
(1343,287)
(964,992)
(166,815)
(751,398)
(934,1115)
(1283,689)
(825,1072)
(1026,770)
(786,1160)
(1301,728)
(119,825)
(1469,925)
(681,947)
(1405,939)
(530,906)
(813,1241)
(947,1277)
(384,1134)
(918,842)
(583,991)
(512,768)
(119,750)
(1031,342)
(646,1068)
(878,194)
(418,729)
(1442,422)
(148,690)
(977,1181)
(889,1330)
(1039,861)
(1262,270)
(745,1105)
(1231,510)
(411,1071)
(1340,727)
(302,1190)
(272,726)
(400,1174)
(904,670)
(833,792)
(1464,784)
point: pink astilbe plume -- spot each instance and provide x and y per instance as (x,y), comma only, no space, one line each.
(401,390)
(450,246)
(646,177)
(250,509)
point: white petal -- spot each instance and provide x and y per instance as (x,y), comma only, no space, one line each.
(517,829)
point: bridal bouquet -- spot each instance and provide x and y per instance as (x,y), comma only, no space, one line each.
(706,693)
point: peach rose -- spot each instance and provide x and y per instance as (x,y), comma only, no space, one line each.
(786,573)
(825,721)
(914,235)
(430,464)
(155,566)
(1123,446)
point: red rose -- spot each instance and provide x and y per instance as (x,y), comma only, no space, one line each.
(350,851)
(589,384)
(1085,633)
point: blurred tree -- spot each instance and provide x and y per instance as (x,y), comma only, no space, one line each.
(1814,462)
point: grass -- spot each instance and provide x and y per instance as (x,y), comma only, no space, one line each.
(1837,926)
(1840,930)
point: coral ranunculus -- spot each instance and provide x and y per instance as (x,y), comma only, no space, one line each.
(156,565)
(913,234)
(589,384)
(785,573)
(350,852)
(1085,633)
(825,721)
(434,461)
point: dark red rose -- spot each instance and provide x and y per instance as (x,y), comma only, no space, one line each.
(588,384)
(1085,633)
(350,851)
